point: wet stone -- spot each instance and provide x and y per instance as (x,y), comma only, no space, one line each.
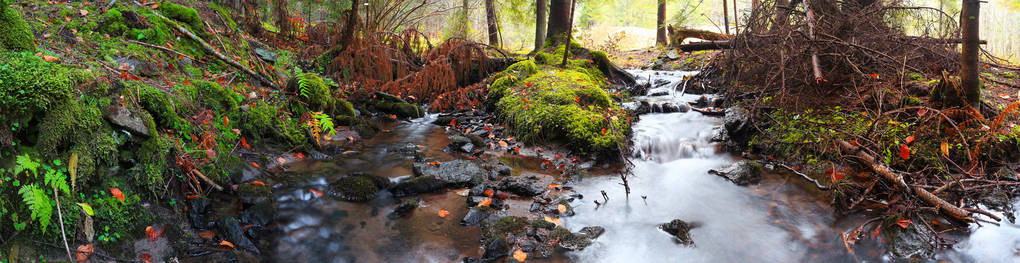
(680,230)
(474,216)
(357,188)
(457,173)
(231,230)
(198,213)
(741,173)
(126,119)
(496,249)
(521,186)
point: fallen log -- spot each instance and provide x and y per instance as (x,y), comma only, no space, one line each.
(205,46)
(921,193)
(705,45)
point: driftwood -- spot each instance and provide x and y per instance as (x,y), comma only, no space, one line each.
(219,55)
(725,44)
(900,184)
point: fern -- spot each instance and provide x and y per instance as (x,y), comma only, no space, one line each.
(326,123)
(25,162)
(57,180)
(39,203)
(304,88)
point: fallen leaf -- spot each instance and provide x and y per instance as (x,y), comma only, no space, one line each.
(922,111)
(453,123)
(145,258)
(555,186)
(155,233)
(562,208)
(87,209)
(83,12)
(485,202)
(227,244)
(207,234)
(876,232)
(244,143)
(47,58)
(443,213)
(256,165)
(117,193)
(553,220)
(84,252)
(910,139)
(904,223)
(257,183)
(281,160)
(488,193)
(520,256)
(503,144)
(316,192)
(904,152)
(944,147)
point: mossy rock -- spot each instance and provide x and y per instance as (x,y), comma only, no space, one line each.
(29,85)
(250,194)
(185,15)
(112,23)
(216,97)
(73,127)
(391,104)
(569,105)
(14,32)
(316,95)
(165,108)
(154,161)
(266,122)
(357,188)
(505,225)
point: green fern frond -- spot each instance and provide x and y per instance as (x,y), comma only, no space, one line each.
(25,162)
(325,123)
(57,180)
(39,203)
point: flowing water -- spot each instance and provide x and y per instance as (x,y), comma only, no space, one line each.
(782,219)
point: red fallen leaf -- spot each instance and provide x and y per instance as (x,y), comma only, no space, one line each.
(488,193)
(117,193)
(189,197)
(517,150)
(207,234)
(227,244)
(256,165)
(922,111)
(910,139)
(226,121)
(904,223)
(84,252)
(555,186)
(299,156)
(876,232)
(557,157)
(257,183)
(904,152)
(577,99)
(485,202)
(394,116)
(154,234)
(443,213)
(503,144)
(145,258)
(453,122)
(316,192)
(244,143)
(874,76)
(603,131)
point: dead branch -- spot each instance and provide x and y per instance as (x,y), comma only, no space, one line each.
(161,48)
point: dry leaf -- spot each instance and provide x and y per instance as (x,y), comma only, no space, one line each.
(316,192)
(443,213)
(945,148)
(562,208)
(553,220)
(520,256)
(485,202)
(84,252)
(117,193)
(227,244)
(503,144)
(207,234)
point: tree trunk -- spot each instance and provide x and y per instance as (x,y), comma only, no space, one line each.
(490,18)
(541,7)
(782,13)
(465,20)
(570,31)
(736,17)
(559,21)
(725,18)
(660,22)
(352,22)
(969,66)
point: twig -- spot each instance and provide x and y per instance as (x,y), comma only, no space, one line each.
(805,176)
(207,180)
(160,48)
(60,216)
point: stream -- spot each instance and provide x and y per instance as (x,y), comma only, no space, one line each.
(780,219)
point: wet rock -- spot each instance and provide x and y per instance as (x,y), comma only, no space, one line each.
(639,90)
(913,242)
(660,93)
(198,213)
(457,173)
(258,217)
(592,231)
(496,249)
(474,216)
(417,185)
(680,230)
(719,135)
(460,144)
(741,173)
(503,170)
(683,108)
(135,67)
(406,207)
(158,250)
(124,118)
(656,108)
(248,173)
(576,241)
(643,108)
(702,102)
(737,124)
(669,108)
(357,188)
(265,55)
(521,186)
(231,230)
(394,105)
(250,194)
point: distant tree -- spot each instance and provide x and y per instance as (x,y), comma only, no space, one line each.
(969,26)
(541,7)
(660,24)
(490,19)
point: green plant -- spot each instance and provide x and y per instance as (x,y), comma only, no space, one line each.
(14,32)
(29,85)
(35,194)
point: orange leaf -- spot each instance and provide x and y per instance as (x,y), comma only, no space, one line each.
(453,122)
(207,234)
(904,223)
(84,252)
(603,131)
(145,258)
(488,192)
(553,220)
(117,193)
(876,232)
(443,213)
(922,111)
(520,256)
(562,208)
(904,152)
(244,143)
(316,192)
(555,186)
(910,139)
(226,121)
(227,244)
(192,197)
(257,183)
(503,144)
(944,147)
(485,202)
(468,130)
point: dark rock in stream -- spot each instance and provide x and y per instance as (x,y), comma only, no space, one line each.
(741,173)
(913,242)
(579,240)
(357,188)
(474,216)
(680,230)
(456,173)
(461,144)
(231,230)
(496,249)
(737,125)
(417,185)
(405,208)
(522,186)
(198,213)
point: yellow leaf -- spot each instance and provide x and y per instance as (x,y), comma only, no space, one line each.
(553,220)
(520,256)
(945,148)
(72,168)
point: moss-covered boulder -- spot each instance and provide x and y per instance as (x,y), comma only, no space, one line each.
(29,85)
(390,104)
(14,32)
(186,15)
(357,188)
(77,128)
(569,104)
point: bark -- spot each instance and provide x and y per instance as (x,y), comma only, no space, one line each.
(541,7)
(736,17)
(660,22)
(815,67)
(465,20)
(726,17)
(570,31)
(559,21)
(782,13)
(705,45)
(969,66)
(352,23)
(490,18)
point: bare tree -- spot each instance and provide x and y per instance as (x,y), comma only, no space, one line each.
(541,7)
(490,19)
(660,22)
(969,61)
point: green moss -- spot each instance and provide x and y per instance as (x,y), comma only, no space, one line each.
(542,224)
(216,97)
(14,32)
(166,110)
(225,14)
(315,94)
(561,104)
(73,127)
(185,15)
(113,23)
(154,161)
(509,224)
(29,85)
(265,122)
(355,188)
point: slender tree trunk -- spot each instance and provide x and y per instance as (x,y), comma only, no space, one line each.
(969,68)
(725,17)
(755,4)
(352,22)
(736,18)
(465,20)
(660,22)
(490,19)
(559,21)
(570,31)
(541,7)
